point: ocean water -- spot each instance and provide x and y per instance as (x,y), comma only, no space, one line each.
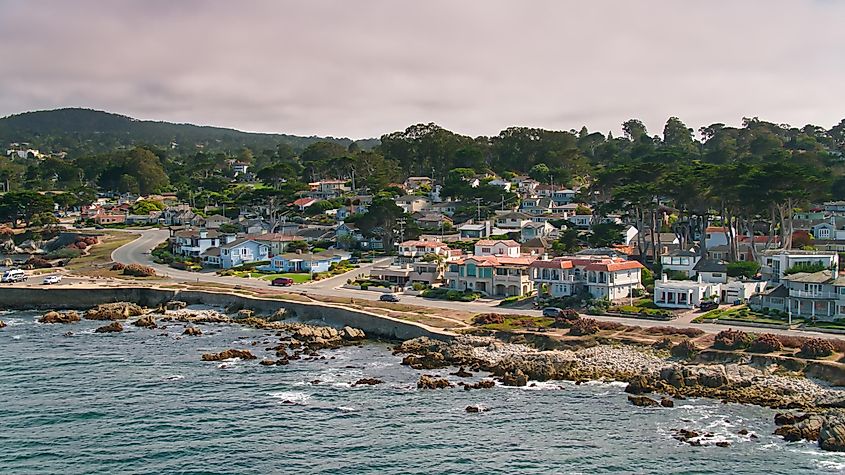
(143,402)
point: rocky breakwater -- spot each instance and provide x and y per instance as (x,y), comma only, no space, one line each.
(60,317)
(825,427)
(114,311)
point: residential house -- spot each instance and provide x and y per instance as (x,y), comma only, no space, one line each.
(433,220)
(684,293)
(105,218)
(348,236)
(534,230)
(240,168)
(326,189)
(601,277)
(775,262)
(243,251)
(581,221)
(536,205)
(711,271)
(414,250)
(408,273)
(216,220)
(834,206)
(536,246)
(680,261)
(817,295)
(739,291)
(499,276)
(414,183)
(302,203)
(277,242)
(526,186)
(487,247)
(717,236)
(563,197)
(511,220)
(305,262)
(471,230)
(504,184)
(831,230)
(411,204)
(194,242)
(446,207)
(179,215)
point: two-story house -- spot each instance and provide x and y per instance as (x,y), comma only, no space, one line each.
(680,261)
(775,262)
(488,247)
(243,251)
(536,205)
(817,295)
(831,230)
(496,276)
(411,204)
(602,277)
(511,220)
(535,230)
(194,242)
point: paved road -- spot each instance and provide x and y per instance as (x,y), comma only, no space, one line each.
(138,252)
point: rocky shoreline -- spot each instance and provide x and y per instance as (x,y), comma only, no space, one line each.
(647,371)
(654,379)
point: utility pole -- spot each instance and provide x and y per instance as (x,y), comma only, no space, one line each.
(503,202)
(478,209)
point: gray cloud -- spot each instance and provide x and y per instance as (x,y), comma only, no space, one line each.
(368,67)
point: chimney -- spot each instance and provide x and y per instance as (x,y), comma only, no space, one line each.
(665,277)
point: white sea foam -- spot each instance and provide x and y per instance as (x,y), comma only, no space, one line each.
(831,465)
(346,409)
(16,337)
(290,397)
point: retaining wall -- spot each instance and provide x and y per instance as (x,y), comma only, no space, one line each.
(61,298)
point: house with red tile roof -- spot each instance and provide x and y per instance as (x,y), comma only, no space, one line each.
(492,275)
(609,278)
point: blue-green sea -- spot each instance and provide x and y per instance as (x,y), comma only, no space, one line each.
(142,402)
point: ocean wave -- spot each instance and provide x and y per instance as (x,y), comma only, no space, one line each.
(290,397)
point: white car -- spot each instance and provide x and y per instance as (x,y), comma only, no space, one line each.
(52,279)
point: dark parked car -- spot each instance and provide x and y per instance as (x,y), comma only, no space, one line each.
(552,312)
(354,260)
(707,306)
(389,298)
(282,282)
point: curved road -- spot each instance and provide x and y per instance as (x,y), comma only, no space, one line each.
(138,251)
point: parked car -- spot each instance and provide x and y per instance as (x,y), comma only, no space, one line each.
(282,282)
(552,312)
(52,279)
(708,305)
(14,275)
(389,298)
(354,260)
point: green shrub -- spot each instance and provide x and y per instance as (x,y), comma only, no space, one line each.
(64,253)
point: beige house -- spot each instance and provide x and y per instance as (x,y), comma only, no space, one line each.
(498,276)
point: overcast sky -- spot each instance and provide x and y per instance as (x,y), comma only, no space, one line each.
(366,67)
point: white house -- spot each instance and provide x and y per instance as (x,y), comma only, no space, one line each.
(487,247)
(717,236)
(680,261)
(511,220)
(602,277)
(243,251)
(775,262)
(711,271)
(410,204)
(683,293)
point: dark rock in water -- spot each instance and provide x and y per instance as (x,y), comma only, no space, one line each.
(367,381)
(723,443)
(114,311)
(267,362)
(229,354)
(316,382)
(515,378)
(69,334)
(483,384)
(832,435)
(192,331)
(643,401)
(352,334)
(147,321)
(429,382)
(787,418)
(743,432)
(687,436)
(476,409)
(281,362)
(808,429)
(666,402)
(113,327)
(639,385)
(431,360)
(462,373)
(56,317)
(2,324)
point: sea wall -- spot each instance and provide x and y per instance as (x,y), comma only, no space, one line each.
(63,298)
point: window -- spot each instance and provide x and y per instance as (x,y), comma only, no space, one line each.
(485,250)
(501,271)
(717,274)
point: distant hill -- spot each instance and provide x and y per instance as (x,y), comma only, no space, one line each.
(80,130)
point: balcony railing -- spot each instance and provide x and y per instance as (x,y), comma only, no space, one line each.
(803,294)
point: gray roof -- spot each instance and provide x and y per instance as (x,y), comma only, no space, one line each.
(238,242)
(710,265)
(779,291)
(820,277)
(682,253)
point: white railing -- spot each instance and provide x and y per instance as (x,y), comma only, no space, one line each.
(814,295)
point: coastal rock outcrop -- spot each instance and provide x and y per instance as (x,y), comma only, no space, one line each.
(832,434)
(352,334)
(229,354)
(175,305)
(643,401)
(114,311)
(483,384)
(430,382)
(2,324)
(367,382)
(56,317)
(113,327)
(147,321)
(475,409)
(192,331)
(807,429)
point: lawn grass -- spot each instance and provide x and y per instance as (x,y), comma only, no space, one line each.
(743,314)
(100,254)
(520,322)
